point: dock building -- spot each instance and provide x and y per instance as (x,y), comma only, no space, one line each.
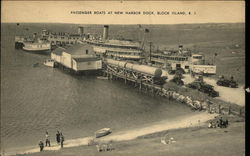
(79,57)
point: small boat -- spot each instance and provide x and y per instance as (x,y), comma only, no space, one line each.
(102,132)
(102,77)
(35,65)
(49,63)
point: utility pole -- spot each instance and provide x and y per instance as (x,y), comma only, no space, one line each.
(150,46)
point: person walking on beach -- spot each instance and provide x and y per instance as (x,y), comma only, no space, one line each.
(47,142)
(58,137)
(61,139)
(41,145)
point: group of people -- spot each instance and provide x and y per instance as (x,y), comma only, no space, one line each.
(59,140)
(221,123)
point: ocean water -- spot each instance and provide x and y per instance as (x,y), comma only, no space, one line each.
(39,99)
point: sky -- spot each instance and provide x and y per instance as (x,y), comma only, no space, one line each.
(65,12)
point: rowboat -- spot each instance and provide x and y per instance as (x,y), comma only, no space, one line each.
(102,132)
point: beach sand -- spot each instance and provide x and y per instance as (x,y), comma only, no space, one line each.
(195,119)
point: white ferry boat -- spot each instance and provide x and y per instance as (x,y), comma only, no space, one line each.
(114,48)
(182,59)
(37,46)
(118,48)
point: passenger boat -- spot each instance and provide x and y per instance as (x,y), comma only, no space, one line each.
(102,132)
(49,63)
(183,60)
(123,49)
(117,48)
(37,46)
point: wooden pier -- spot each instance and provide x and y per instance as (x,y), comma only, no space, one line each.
(145,83)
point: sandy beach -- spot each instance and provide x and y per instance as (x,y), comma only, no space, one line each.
(192,120)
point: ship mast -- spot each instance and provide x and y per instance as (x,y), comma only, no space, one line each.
(142,33)
(150,46)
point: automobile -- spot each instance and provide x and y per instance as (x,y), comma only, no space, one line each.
(203,87)
(227,83)
(160,80)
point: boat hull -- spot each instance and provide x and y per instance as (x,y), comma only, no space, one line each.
(35,50)
(36,47)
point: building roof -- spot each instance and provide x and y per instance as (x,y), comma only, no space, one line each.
(76,49)
(86,59)
(79,49)
(58,51)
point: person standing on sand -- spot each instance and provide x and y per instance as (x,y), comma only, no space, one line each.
(61,139)
(58,137)
(41,145)
(47,142)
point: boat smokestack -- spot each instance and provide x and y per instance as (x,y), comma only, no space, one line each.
(105,32)
(80,31)
(180,48)
(34,36)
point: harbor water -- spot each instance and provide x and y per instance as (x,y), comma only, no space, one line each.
(36,99)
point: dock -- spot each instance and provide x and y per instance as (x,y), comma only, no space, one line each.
(146,83)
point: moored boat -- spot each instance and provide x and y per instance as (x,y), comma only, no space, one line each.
(37,46)
(49,63)
(102,132)
(102,77)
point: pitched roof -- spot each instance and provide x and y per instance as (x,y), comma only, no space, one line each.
(77,49)
(58,51)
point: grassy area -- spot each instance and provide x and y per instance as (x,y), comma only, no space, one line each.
(193,141)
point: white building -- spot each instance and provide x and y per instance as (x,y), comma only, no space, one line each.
(78,57)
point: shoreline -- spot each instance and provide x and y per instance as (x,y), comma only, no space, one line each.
(130,134)
(190,141)
(184,122)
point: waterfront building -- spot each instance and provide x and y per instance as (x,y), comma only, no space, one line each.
(78,57)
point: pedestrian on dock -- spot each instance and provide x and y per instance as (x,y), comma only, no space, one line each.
(41,145)
(61,139)
(47,142)
(58,137)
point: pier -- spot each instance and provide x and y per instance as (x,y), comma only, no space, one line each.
(149,83)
